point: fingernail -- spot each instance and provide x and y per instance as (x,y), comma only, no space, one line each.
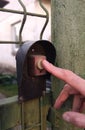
(66,117)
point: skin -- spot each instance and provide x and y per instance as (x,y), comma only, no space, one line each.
(75,85)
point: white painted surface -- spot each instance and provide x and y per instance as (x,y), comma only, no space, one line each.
(31,31)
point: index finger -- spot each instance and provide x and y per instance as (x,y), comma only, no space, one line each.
(66,75)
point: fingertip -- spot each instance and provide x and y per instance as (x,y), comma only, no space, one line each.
(44,62)
(66,116)
(54,106)
(46,65)
(57,105)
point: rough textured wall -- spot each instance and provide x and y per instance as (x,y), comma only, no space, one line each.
(68,35)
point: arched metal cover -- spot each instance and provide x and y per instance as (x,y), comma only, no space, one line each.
(31,86)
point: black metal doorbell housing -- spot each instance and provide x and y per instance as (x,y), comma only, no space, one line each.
(31,77)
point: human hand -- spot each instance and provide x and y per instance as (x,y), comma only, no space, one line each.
(68,76)
(76,86)
(74,116)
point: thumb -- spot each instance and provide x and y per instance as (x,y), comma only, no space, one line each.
(75,118)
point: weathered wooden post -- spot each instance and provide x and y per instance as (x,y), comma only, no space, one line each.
(68,35)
